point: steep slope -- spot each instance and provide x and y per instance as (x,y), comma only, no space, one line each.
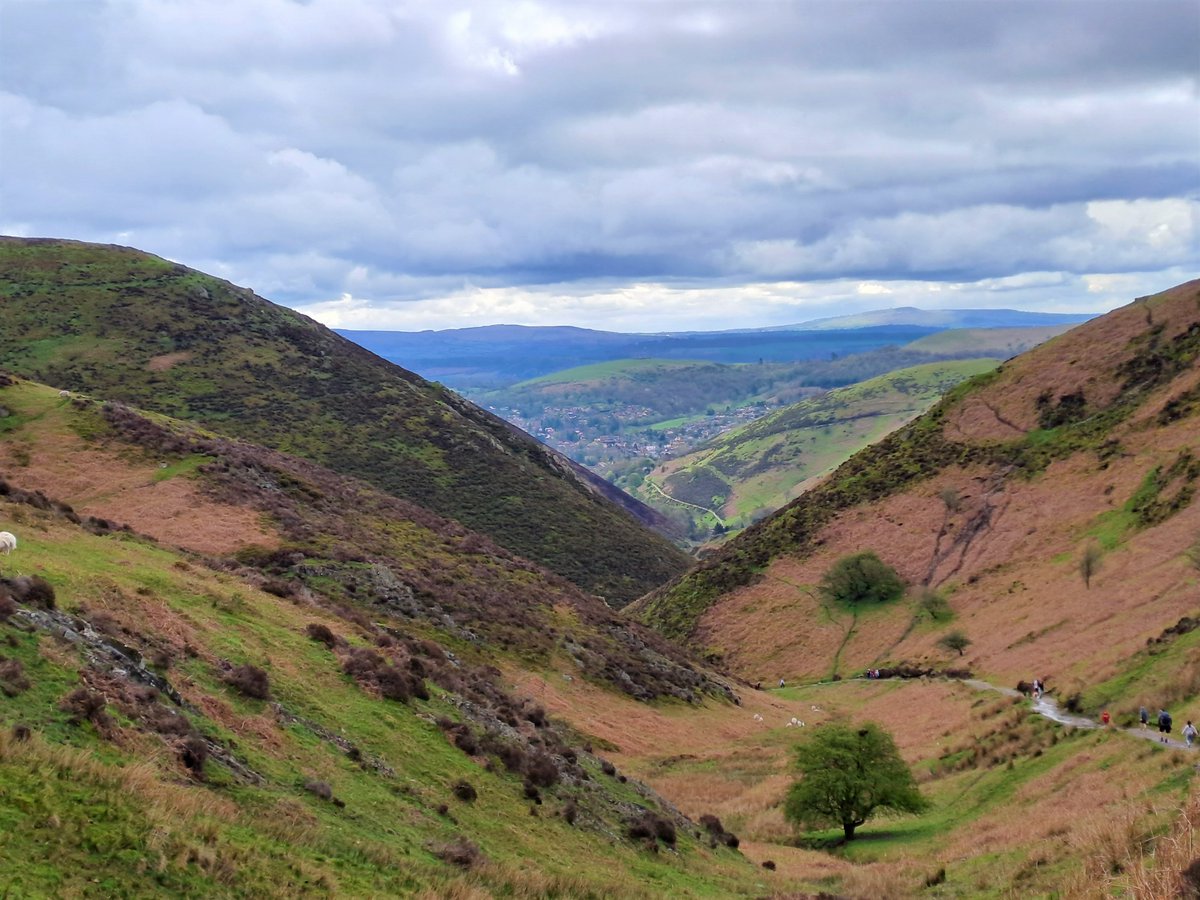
(124,325)
(317,710)
(761,466)
(1048,504)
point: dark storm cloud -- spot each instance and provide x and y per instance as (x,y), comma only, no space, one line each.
(394,151)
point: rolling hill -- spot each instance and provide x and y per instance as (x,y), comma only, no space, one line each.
(942,318)
(757,468)
(127,326)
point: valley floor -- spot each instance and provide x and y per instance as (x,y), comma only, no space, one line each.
(1022,805)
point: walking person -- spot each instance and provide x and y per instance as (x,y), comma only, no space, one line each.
(1164,726)
(1143,716)
(1189,733)
(1105,717)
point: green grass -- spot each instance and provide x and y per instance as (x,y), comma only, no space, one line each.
(74,820)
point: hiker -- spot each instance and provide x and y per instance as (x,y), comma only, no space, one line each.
(1037,689)
(1105,717)
(781,682)
(1143,716)
(1189,733)
(1164,725)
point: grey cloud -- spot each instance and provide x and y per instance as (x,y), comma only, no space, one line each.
(412,148)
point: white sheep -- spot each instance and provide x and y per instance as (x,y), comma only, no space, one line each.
(64,394)
(8,542)
(757,717)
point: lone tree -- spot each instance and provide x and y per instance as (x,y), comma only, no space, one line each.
(848,774)
(861,578)
(955,640)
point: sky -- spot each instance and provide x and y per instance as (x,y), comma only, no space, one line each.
(644,165)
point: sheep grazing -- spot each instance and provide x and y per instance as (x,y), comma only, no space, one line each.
(64,394)
(8,542)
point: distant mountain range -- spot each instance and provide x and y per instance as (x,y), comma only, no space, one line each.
(938,319)
(495,356)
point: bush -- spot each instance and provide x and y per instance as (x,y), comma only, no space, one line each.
(541,770)
(31,590)
(570,812)
(85,705)
(608,768)
(21,732)
(320,789)
(464,791)
(250,681)
(12,677)
(861,578)
(192,753)
(460,852)
(8,605)
(321,633)
(651,827)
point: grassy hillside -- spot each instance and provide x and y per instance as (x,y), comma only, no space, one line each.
(293,711)
(988,506)
(124,325)
(755,469)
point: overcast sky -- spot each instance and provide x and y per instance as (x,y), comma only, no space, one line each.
(632,166)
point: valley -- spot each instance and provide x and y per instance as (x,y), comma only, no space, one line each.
(244,668)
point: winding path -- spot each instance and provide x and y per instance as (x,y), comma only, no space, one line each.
(1048,707)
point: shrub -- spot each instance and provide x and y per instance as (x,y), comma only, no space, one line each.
(532,792)
(31,590)
(861,578)
(459,852)
(393,684)
(250,681)
(12,677)
(321,633)
(769,865)
(934,605)
(653,828)
(541,770)
(85,705)
(607,768)
(320,789)
(570,812)
(279,587)
(21,732)
(464,791)
(8,605)
(166,721)
(192,753)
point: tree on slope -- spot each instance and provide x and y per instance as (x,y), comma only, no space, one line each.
(861,578)
(848,773)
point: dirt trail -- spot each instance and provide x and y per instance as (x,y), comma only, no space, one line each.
(1048,707)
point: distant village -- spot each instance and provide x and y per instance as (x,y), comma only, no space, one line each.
(623,433)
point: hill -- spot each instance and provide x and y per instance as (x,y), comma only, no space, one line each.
(940,319)
(750,471)
(1045,509)
(127,326)
(231,672)
(497,356)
